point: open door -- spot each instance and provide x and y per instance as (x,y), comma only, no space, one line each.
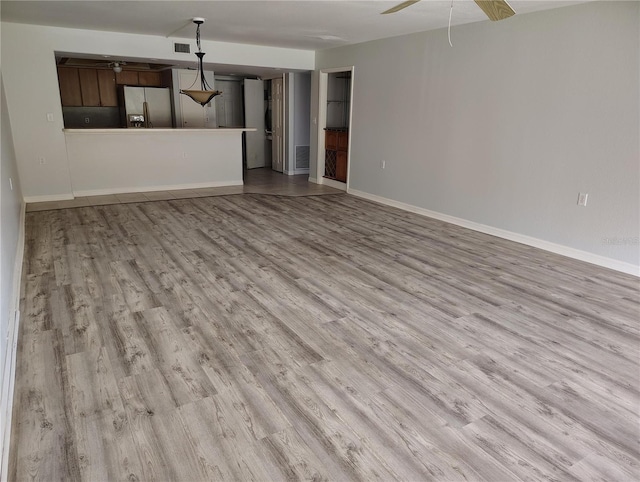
(254,112)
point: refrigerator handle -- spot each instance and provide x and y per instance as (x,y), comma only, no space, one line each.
(145,111)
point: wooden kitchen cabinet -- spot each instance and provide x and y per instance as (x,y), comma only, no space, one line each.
(107,88)
(89,87)
(127,77)
(69,83)
(150,79)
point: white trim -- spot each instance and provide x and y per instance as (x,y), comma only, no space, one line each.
(322,122)
(9,363)
(510,235)
(48,197)
(334,184)
(172,187)
(125,190)
(290,158)
(313,180)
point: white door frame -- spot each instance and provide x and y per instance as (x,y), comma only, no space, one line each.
(322,122)
(277,144)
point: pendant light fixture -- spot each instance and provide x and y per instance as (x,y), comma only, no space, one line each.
(206,93)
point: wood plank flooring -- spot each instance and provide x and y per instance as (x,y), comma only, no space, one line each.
(253,337)
(256,181)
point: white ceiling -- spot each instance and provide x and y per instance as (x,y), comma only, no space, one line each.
(301,24)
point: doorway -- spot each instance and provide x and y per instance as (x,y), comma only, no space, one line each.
(334,127)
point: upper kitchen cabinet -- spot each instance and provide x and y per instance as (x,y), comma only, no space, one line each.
(139,78)
(87,87)
(150,79)
(69,87)
(127,77)
(107,88)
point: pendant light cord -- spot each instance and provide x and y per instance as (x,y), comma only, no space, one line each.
(198,38)
(204,85)
(449,30)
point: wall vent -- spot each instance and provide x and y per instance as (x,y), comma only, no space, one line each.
(302,157)
(182,48)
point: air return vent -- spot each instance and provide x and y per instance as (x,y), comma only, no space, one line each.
(182,48)
(302,157)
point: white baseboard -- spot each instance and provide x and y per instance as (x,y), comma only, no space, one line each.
(511,236)
(168,187)
(48,197)
(313,180)
(9,365)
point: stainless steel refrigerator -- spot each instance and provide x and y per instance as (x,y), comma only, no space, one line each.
(147,106)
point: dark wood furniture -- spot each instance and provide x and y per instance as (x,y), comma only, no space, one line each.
(336,144)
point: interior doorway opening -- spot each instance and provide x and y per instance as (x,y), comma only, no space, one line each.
(334,132)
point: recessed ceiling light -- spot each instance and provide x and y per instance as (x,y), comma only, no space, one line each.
(107,56)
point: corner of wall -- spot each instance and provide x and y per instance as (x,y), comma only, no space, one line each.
(10,351)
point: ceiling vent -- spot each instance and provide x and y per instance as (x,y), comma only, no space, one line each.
(182,48)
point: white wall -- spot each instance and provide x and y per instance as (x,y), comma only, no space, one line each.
(509,125)
(11,229)
(32,86)
(136,160)
(298,106)
(302,106)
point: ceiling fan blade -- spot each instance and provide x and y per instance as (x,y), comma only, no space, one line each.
(400,6)
(496,9)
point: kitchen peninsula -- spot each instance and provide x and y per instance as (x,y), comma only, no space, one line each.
(111,161)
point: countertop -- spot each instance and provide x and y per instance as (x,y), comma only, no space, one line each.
(131,130)
(339,129)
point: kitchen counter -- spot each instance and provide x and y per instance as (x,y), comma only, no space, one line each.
(112,161)
(123,130)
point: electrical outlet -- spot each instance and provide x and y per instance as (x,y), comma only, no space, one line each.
(49,117)
(87,120)
(42,160)
(582,199)
(383,164)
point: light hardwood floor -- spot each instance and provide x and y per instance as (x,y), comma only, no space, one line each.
(254,337)
(256,181)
